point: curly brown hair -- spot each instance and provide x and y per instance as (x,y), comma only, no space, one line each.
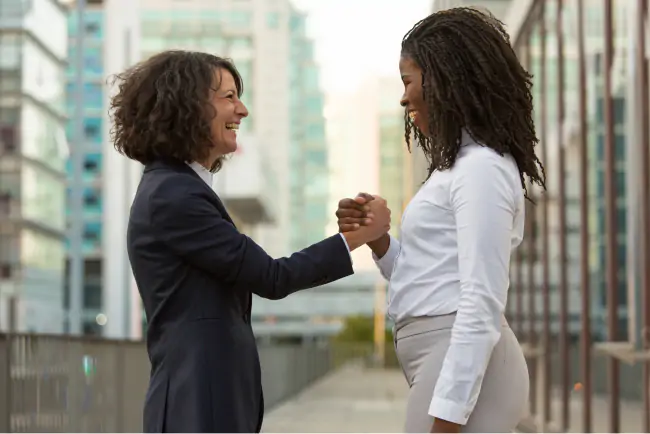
(162,109)
(471,78)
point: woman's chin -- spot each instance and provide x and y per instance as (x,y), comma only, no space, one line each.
(423,129)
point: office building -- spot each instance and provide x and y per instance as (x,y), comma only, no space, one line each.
(285,130)
(33,150)
(94,123)
(256,35)
(309,174)
(120,299)
(624,99)
(498,8)
(395,183)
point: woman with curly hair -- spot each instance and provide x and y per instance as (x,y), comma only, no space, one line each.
(468,103)
(178,113)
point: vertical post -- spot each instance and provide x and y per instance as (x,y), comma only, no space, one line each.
(644,227)
(610,212)
(561,198)
(76,188)
(518,282)
(585,332)
(532,261)
(546,305)
(128,198)
(380,323)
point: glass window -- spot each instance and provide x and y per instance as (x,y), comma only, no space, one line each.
(43,78)
(92,231)
(10,184)
(240,18)
(41,251)
(93,60)
(241,42)
(153,44)
(93,163)
(317,157)
(93,96)
(43,197)
(94,24)
(92,200)
(43,136)
(273,20)
(93,130)
(10,47)
(315,132)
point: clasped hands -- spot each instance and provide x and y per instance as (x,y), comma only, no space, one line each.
(363,220)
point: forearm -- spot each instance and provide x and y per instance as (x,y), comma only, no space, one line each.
(318,264)
(380,246)
(476,331)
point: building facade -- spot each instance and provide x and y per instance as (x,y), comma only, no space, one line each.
(562,135)
(309,175)
(94,123)
(33,152)
(256,36)
(268,44)
(395,184)
(498,8)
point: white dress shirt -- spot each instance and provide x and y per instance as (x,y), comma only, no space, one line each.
(457,236)
(203,173)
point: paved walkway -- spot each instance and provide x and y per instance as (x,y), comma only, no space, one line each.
(630,421)
(357,399)
(353,399)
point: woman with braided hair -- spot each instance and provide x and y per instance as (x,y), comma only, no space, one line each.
(468,104)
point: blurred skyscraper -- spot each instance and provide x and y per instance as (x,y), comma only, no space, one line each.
(309,171)
(625,124)
(498,8)
(286,128)
(33,51)
(94,124)
(269,46)
(394,161)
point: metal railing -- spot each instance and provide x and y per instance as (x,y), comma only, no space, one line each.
(591,117)
(79,384)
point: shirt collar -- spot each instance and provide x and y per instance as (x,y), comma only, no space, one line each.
(203,173)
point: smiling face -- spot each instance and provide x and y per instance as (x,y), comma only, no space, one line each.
(230,111)
(413,98)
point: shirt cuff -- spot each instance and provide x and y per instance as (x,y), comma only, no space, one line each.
(387,261)
(449,411)
(347,246)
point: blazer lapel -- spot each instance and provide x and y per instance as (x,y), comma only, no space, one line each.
(221,207)
(187,169)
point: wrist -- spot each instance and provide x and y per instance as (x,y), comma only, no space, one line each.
(380,246)
(353,239)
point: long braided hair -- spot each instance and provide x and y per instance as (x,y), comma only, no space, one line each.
(471,78)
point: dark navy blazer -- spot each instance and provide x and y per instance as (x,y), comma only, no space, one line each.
(196,275)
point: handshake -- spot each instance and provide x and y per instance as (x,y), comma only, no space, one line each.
(364,219)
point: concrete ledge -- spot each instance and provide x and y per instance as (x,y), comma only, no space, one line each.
(623,351)
(531,351)
(529,424)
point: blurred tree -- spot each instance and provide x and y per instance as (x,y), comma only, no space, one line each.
(360,329)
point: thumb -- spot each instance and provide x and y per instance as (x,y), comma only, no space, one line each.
(363,198)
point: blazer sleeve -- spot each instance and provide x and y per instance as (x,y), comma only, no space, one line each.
(191,226)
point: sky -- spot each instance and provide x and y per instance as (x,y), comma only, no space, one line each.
(359,38)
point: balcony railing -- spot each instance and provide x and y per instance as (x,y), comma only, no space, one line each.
(69,384)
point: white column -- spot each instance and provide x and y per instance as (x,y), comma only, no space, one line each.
(121,50)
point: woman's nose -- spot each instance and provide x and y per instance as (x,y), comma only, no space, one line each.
(242,110)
